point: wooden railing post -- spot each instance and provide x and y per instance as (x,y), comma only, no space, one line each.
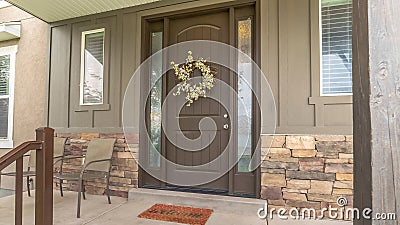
(18,191)
(44,177)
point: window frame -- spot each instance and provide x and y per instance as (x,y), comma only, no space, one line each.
(4,4)
(321,58)
(12,52)
(82,71)
(318,101)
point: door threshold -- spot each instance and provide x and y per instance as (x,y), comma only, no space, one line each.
(197,190)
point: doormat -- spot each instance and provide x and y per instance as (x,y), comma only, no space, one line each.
(178,214)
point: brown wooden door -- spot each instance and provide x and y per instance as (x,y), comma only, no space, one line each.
(221,25)
(214,27)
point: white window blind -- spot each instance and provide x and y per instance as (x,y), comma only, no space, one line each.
(336,24)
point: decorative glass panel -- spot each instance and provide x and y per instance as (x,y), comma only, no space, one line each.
(245,71)
(336,21)
(92,83)
(155,99)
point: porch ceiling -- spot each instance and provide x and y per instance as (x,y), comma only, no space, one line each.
(57,10)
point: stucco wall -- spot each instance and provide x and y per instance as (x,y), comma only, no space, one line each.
(30,79)
(30,75)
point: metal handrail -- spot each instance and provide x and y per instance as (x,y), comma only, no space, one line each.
(44,145)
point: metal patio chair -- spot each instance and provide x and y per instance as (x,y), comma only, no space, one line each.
(97,164)
(59,145)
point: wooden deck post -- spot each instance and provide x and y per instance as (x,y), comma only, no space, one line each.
(18,191)
(376,97)
(44,178)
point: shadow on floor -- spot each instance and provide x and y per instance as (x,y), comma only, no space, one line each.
(6,192)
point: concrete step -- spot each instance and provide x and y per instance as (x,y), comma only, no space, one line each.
(237,205)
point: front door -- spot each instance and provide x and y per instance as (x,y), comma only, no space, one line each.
(214,25)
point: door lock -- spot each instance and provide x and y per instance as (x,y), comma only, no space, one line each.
(226,126)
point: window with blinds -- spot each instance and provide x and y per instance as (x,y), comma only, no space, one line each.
(4,95)
(336,67)
(92,65)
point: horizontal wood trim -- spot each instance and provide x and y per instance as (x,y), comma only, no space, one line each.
(330,100)
(84,108)
(301,130)
(331,130)
(103,130)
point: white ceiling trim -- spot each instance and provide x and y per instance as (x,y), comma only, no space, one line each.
(9,31)
(57,10)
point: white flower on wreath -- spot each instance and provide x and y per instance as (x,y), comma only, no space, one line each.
(184,71)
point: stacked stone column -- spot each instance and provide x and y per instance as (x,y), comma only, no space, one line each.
(307,171)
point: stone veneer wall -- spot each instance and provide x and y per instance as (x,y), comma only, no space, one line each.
(124,169)
(307,171)
(298,171)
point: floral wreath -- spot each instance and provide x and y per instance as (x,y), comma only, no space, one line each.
(184,71)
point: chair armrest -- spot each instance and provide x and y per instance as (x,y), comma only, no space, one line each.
(67,158)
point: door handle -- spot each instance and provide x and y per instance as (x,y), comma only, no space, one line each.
(226,126)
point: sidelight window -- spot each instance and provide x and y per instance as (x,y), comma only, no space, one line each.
(245,70)
(155,99)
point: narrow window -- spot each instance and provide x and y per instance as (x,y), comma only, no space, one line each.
(7,73)
(155,99)
(92,67)
(245,70)
(336,31)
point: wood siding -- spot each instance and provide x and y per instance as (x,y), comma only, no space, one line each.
(289,59)
(376,106)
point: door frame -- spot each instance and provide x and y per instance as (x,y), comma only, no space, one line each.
(164,18)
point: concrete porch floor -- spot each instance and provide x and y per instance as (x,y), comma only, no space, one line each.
(96,211)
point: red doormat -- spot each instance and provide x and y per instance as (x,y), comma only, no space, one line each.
(178,214)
